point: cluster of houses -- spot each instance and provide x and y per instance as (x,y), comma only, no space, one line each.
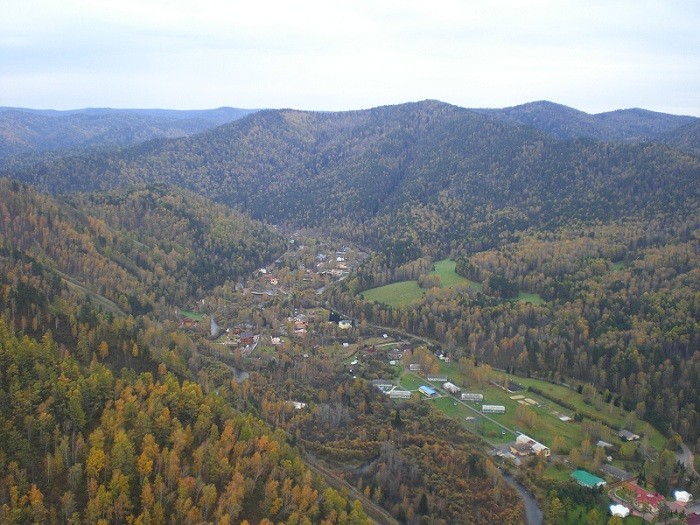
(238,336)
(387,386)
(644,501)
(635,497)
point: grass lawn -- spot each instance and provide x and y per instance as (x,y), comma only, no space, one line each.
(395,294)
(533,298)
(557,472)
(449,406)
(191,315)
(380,341)
(547,424)
(457,409)
(404,293)
(445,270)
(265,349)
(617,417)
(411,382)
(487,429)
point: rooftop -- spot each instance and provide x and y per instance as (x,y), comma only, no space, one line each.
(587,479)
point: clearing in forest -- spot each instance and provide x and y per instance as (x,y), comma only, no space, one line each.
(404,293)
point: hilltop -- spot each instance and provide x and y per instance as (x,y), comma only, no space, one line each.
(414,179)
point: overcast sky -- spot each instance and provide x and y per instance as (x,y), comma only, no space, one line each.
(594,55)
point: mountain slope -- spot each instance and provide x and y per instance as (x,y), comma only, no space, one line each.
(686,138)
(420,178)
(25,131)
(135,249)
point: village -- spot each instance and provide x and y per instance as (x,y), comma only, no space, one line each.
(526,424)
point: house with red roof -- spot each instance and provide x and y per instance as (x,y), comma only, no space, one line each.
(645,500)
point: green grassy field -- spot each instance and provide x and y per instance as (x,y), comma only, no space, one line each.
(614,418)
(406,292)
(533,298)
(411,382)
(395,294)
(380,341)
(445,270)
(546,423)
(481,426)
(191,315)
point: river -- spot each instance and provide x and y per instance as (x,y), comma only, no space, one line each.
(533,514)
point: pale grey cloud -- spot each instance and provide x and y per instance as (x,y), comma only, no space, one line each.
(594,55)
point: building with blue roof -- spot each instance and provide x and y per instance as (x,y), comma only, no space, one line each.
(428,391)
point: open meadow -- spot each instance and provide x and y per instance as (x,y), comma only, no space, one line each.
(404,293)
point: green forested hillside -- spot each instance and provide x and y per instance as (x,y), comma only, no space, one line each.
(686,138)
(110,413)
(82,441)
(80,445)
(621,310)
(605,233)
(411,180)
(137,249)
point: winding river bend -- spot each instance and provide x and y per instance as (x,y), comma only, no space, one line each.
(533,514)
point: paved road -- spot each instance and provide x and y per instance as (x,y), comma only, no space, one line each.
(533,514)
(686,457)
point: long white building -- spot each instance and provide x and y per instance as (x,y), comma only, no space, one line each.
(472,396)
(451,388)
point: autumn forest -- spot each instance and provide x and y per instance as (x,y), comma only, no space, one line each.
(135,263)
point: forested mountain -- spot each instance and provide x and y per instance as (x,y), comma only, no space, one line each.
(82,443)
(24,131)
(685,138)
(568,123)
(618,308)
(411,180)
(112,412)
(172,438)
(138,249)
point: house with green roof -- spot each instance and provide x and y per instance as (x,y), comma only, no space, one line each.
(587,479)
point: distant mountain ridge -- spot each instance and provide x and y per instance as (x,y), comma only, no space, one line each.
(564,122)
(29,131)
(412,179)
